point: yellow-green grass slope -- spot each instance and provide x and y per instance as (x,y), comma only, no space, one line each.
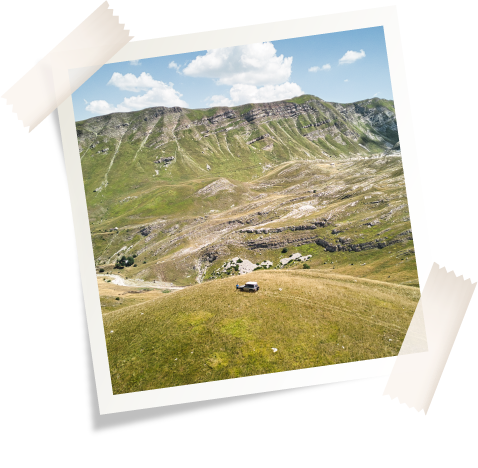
(211,331)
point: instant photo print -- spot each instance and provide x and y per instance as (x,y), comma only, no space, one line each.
(247,209)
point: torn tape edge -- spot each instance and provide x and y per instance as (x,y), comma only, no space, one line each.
(451,271)
(113,41)
(400,398)
(400,402)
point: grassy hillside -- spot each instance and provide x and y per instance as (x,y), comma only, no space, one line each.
(212,332)
(206,198)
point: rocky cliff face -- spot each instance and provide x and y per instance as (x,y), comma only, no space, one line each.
(352,126)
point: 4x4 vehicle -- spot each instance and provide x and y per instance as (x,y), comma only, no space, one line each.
(250,286)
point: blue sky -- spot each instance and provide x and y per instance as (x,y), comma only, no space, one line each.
(341,67)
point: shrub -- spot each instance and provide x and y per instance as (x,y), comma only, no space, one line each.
(236,268)
(284,250)
(124,261)
(134,255)
(239,261)
(135,265)
(101,270)
(144,262)
(306,266)
(117,298)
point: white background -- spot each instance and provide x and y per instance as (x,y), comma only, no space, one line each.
(49,410)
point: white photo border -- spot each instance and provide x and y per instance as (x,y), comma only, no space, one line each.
(109,403)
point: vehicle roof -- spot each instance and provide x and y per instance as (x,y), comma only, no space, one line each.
(251,282)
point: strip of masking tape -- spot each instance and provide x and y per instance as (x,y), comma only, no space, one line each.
(429,338)
(67,66)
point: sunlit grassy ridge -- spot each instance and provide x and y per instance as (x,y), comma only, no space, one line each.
(213,332)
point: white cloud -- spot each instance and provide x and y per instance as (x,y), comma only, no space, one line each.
(130,82)
(99,107)
(316,68)
(253,64)
(220,101)
(135,63)
(346,80)
(352,56)
(164,95)
(157,94)
(376,94)
(245,93)
(174,65)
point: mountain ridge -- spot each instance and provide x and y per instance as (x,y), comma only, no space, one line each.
(311,112)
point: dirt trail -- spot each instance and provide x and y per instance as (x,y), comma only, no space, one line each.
(119,281)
